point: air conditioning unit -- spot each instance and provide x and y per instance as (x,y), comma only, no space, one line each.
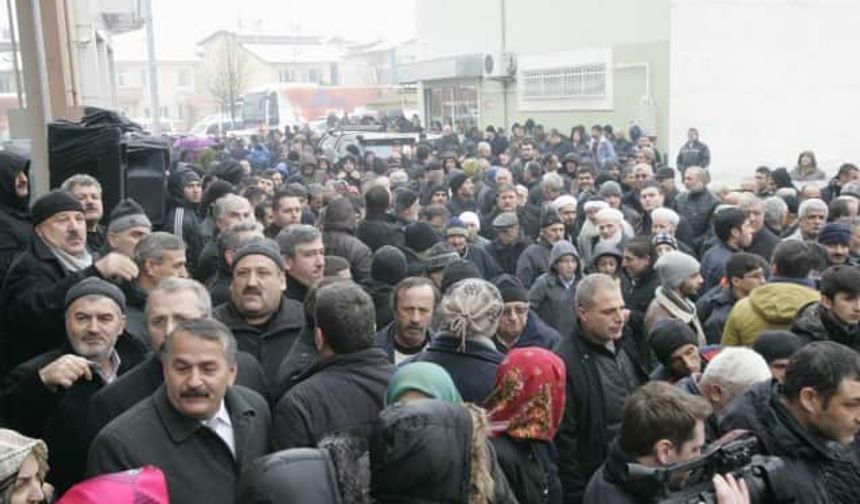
(501,65)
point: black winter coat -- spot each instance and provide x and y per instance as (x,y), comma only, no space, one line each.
(59,416)
(506,256)
(198,466)
(33,302)
(269,345)
(639,293)
(473,370)
(820,470)
(698,208)
(416,439)
(15,227)
(182,220)
(338,393)
(483,260)
(339,227)
(581,440)
(813,323)
(763,243)
(380,229)
(713,309)
(139,383)
(530,468)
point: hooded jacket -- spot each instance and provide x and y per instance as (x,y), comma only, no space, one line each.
(181,219)
(536,333)
(713,309)
(549,297)
(453,437)
(813,323)
(15,227)
(698,208)
(473,370)
(771,306)
(339,225)
(821,471)
(380,229)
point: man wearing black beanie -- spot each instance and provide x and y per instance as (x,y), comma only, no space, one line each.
(676,347)
(777,346)
(519,326)
(31,299)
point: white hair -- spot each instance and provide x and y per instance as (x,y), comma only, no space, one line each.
(666,214)
(227,203)
(471,218)
(609,214)
(563,201)
(736,369)
(595,205)
(809,205)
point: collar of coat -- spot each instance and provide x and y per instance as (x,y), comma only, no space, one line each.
(180,427)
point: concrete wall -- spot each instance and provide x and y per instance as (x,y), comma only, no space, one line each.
(766,79)
(628,91)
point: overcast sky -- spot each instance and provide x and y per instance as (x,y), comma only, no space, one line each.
(179,24)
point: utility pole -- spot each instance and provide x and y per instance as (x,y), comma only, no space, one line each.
(151,70)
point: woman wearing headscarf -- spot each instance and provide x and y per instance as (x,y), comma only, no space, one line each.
(23,467)
(467,319)
(421,380)
(525,410)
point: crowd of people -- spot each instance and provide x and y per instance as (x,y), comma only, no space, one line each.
(488,317)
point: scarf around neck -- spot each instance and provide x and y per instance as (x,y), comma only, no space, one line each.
(72,263)
(680,309)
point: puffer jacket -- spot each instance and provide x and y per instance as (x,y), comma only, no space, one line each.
(453,436)
(820,471)
(713,309)
(339,225)
(15,228)
(771,306)
(815,323)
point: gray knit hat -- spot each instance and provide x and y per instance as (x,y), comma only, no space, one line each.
(560,249)
(126,215)
(674,267)
(95,286)
(609,188)
(260,246)
(14,448)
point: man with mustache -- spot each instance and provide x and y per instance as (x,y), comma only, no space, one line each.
(264,322)
(835,237)
(198,428)
(35,287)
(49,395)
(173,301)
(88,191)
(415,300)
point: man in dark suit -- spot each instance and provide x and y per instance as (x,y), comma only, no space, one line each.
(198,428)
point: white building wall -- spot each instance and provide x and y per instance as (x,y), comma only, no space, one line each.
(764,80)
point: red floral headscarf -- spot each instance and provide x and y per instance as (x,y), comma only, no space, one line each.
(528,398)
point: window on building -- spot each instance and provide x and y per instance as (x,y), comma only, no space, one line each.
(580,81)
(120,79)
(183,78)
(286,75)
(5,84)
(165,112)
(314,75)
(180,112)
(146,112)
(143,79)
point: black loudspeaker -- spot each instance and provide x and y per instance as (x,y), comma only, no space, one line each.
(94,150)
(146,180)
(133,167)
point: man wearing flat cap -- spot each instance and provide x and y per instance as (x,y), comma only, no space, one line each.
(509,242)
(34,290)
(48,396)
(264,322)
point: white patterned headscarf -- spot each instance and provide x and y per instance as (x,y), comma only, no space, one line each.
(14,448)
(471,309)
